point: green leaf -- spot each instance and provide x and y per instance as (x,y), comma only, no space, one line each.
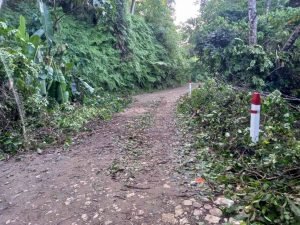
(3,25)
(295,209)
(150,79)
(35,40)
(22,29)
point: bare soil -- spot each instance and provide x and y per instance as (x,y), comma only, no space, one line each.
(121,173)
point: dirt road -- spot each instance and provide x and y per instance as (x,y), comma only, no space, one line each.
(123,173)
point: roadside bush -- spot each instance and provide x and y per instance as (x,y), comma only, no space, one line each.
(263,179)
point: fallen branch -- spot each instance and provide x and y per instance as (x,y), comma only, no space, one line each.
(264,176)
(136,187)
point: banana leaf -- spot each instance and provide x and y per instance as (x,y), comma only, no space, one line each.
(46,21)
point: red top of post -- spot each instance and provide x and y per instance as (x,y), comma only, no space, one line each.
(256,98)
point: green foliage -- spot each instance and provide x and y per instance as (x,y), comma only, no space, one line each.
(73,119)
(147,64)
(263,179)
(18,73)
(17,53)
(65,56)
(150,62)
(110,49)
(158,14)
(33,79)
(93,54)
(220,43)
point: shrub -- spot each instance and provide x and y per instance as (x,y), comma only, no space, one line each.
(262,178)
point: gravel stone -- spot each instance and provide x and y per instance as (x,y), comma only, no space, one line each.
(224,201)
(169,218)
(178,211)
(84,217)
(197,212)
(212,219)
(197,205)
(187,203)
(183,221)
(207,206)
(216,212)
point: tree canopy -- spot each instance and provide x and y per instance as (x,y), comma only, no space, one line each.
(220,42)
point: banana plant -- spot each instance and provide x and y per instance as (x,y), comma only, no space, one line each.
(52,80)
(30,44)
(57,89)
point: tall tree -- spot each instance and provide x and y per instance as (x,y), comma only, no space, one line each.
(132,8)
(252,22)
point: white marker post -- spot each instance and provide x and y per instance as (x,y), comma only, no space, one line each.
(255,117)
(190,88)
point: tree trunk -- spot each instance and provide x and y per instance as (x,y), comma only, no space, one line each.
(292,39)
(268,5)
(132,8)
(252,22)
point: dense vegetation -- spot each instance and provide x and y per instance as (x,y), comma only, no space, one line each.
(220,44)
(263,179)
(66,62)
(243,52)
